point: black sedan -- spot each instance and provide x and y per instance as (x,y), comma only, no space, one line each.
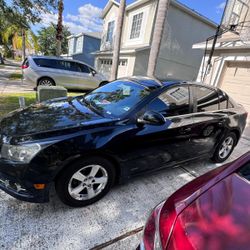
(128,127)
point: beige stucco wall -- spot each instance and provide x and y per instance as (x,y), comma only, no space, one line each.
(177,59)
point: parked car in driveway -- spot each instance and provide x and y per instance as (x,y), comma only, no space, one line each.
(211,212)
(51,71)
(125,128)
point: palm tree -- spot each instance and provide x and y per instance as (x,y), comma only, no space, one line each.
(21,38)
(117,43)
(59,28)
(161,15)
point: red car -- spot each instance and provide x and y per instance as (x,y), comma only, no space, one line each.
(211,212)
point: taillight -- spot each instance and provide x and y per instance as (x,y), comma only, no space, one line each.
(24,66)
(151,232)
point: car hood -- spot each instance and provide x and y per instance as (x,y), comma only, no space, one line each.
(219,218)
(58,114)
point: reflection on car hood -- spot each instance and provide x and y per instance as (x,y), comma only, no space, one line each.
(49,116)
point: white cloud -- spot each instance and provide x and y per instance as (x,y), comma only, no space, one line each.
(220,8)
(86,20)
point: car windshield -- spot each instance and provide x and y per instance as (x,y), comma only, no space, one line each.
(116,98)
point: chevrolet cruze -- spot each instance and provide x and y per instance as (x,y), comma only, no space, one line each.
(84,145)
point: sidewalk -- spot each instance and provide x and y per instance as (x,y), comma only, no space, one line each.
(8,85)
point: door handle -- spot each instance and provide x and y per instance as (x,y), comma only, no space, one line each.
(185,130)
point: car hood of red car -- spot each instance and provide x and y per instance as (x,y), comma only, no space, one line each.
(218,219)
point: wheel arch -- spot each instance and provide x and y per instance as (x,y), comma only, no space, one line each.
(237,133)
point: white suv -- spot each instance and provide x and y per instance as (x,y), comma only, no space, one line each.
(51,71)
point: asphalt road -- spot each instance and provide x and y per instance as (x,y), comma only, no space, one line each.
(116,220)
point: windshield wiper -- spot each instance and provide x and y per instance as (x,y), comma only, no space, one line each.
(92,107)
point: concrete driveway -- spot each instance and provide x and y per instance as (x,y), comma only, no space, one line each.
(115,222)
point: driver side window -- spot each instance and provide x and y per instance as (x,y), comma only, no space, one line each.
(173,102)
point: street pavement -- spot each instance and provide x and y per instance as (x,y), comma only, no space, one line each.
(108,224)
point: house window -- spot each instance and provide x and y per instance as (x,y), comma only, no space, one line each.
(79,44)
(136,26)
(111,26)
(237,11)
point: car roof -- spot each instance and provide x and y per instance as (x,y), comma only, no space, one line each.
(60,58)
(155,83)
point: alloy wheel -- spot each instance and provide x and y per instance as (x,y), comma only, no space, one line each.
(88,182)
(45,82)
(226,147)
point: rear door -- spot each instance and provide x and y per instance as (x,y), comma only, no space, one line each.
(66,74)
(209,120)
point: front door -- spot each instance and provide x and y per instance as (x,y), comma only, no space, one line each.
(149,147)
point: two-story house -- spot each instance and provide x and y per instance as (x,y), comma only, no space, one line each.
(177,59)
(230,67)
(81,46)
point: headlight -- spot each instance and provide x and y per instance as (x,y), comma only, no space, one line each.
(22,153)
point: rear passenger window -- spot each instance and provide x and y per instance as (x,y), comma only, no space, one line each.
(173,102)
(207,99)
(245,171)
(47,63)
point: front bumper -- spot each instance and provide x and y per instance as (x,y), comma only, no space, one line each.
(12,183)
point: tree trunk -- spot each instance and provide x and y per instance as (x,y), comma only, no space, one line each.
(59,28)
(23,44)
(161,15)
(117,43)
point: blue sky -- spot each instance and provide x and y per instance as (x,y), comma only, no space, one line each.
(83,15)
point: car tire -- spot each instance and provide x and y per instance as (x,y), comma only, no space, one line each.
(102,84)
(46,81)
(78,185)
(225,148)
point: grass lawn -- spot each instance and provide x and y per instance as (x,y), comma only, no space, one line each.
(16,76)
(10,101)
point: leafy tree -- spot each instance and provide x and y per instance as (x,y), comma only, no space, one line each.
(47,40)
(14,34)
(22,11)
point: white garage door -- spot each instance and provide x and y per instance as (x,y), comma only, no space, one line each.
(236,82)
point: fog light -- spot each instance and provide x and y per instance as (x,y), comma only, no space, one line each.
(39,186)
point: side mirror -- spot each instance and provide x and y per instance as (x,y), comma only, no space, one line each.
(93,72)
(152,118)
